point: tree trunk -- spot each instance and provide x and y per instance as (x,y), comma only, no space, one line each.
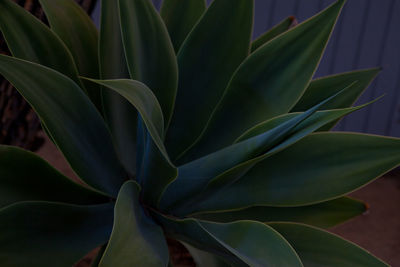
(19,125)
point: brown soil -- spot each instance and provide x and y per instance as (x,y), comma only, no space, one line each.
(378,230)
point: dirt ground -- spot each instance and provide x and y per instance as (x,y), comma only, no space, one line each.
(378,230)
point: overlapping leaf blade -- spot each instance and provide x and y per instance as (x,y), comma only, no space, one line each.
(72,120)
(119,114)
(180,17)
(254,243)
(269,82)
(321,88)
(160,171)
(25,176)
(45,233)
(319,248)
(205,259)
(326,214)
(80,36)
(300,176)
(280,28)
(223,167)
(207,59)
(29,39)
(136,240)
(149,51)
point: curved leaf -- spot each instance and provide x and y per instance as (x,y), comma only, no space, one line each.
(119,114)
(45,233)
(269,82)
(72,120)
(280,28)
(25,176)
(149,51)
(254,243)
(207,59)
(326,214)
(80,36)
(221,168)
(337,164)
(321,88)
(20,28)
(159,171)
(320,248)
(180,17)
(135,239)
(205,259)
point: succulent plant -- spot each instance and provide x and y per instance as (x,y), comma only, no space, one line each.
(178,125)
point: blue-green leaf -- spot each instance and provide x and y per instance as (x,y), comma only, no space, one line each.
(159,171)
(50,234)
(320,167)
(320,248)
(80,36)
(136,240)
(25,176)
(180,17)
(149,52)
(207,59)
(269,82)
(72,120)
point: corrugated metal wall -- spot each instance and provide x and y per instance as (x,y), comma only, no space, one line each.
(367,35)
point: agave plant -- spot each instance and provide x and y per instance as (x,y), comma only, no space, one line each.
(178,125)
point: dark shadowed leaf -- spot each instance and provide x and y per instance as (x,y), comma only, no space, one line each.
(72,120)
(215,47)
(149,51)
(80,36)
(320,248)
(269,82)
(326,214)
(28,38)
(119,114)
(46,234)
(280,28)
(180,17)
(136,240)
(25,176)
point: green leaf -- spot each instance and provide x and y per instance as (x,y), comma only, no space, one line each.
(280,28)
(326,214)
(180,17)
(318,119)
(320,167)
(269,82)
(136,240)
(149,51)
(72,120)
(153,180)
(254,243)
(205,259)
(44,233)
(28,38)
(207,59)
(319,89)
(119,114)
(25,176)
(80,36)
(223,167)
(320,248)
